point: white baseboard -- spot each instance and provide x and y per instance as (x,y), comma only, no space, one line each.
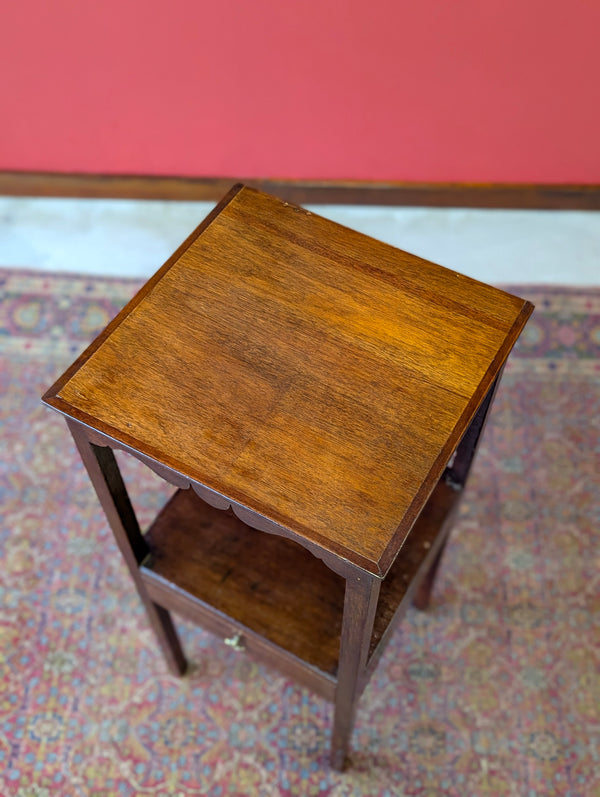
(134,237)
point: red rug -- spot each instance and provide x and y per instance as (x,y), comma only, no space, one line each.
(495,690)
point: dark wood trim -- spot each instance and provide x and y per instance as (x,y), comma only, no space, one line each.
(471,195)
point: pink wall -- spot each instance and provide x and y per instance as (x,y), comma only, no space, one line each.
(466,90)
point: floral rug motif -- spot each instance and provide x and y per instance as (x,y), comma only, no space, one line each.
(494,691)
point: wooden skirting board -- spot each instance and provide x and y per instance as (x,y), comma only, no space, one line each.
(347,192)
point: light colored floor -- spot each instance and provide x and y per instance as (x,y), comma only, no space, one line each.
(133,238)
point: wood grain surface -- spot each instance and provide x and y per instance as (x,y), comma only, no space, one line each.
(314,375)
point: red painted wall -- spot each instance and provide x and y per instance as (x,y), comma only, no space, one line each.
(467,90)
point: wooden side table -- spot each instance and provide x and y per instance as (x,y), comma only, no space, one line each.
(322,394)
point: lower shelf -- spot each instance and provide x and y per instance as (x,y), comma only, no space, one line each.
(209,566)
(267,584)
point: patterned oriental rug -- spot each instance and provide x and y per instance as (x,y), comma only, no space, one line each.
(494,691)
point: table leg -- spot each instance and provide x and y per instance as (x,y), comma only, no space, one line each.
(106,478)
(360,605)
(422,596)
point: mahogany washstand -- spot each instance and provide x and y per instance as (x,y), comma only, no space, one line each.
(322,394)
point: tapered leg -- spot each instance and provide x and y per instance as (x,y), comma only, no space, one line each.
(360,604)
(422,597)
(105,476)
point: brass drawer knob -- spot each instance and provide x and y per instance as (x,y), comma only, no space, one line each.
(236,642)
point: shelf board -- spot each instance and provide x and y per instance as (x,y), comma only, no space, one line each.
(267,584)
(210,561)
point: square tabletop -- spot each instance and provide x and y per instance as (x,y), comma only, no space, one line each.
(314,375)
